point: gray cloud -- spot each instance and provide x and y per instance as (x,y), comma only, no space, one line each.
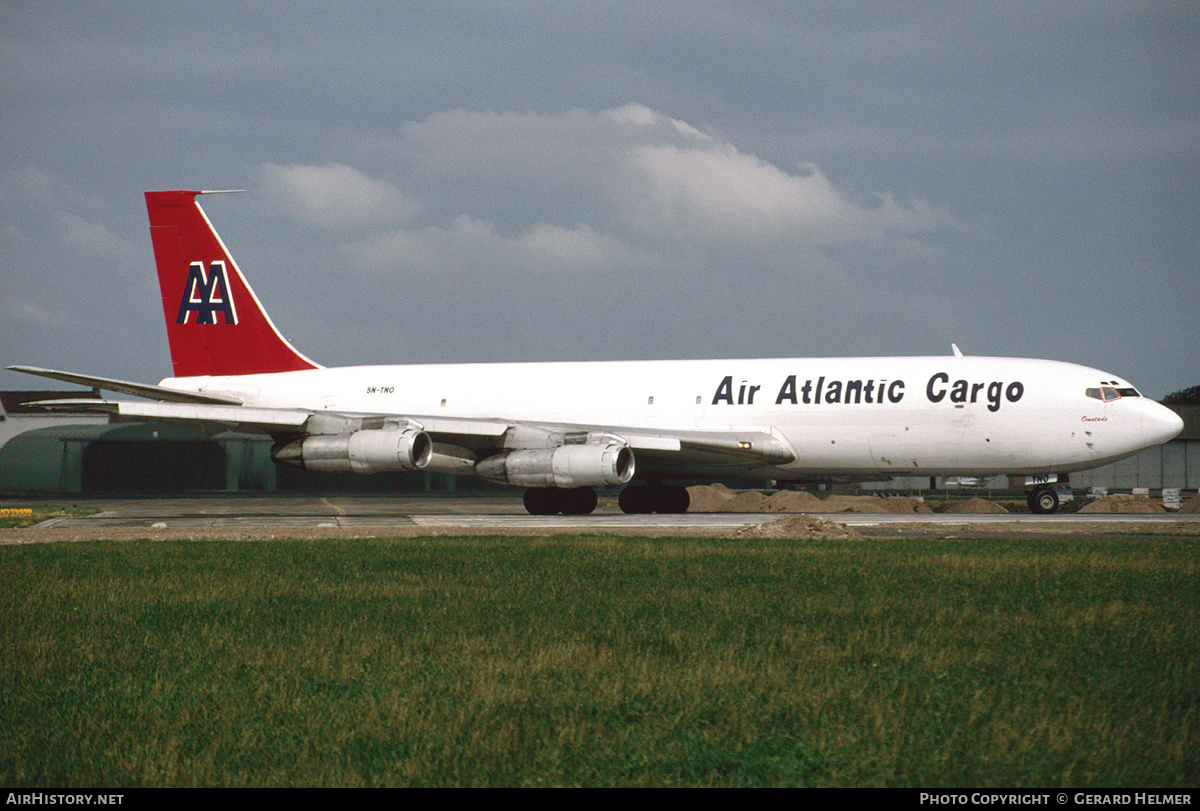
(333,196)
(675,192)
(721,178)
(666,177)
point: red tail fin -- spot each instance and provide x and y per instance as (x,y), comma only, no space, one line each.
(215,323)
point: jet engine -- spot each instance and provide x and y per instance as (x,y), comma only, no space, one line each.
(566,466)
(368,451)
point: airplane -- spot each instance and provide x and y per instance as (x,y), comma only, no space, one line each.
(560,430)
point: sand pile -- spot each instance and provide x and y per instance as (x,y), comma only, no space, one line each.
(748,502)
(795,501)
(972,506)
(708,498)
(1123,504)
(1192,505)
(719,498)
(716,498)
(871,504)
(797,526)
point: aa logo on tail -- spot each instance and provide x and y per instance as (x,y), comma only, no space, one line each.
(206,294)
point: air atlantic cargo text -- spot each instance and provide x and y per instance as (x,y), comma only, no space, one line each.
(939,388)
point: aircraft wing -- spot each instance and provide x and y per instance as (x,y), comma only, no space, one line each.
(465,440)
(323,440)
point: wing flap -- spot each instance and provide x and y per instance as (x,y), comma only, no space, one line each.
(752,446)
(233,417)
(439,427)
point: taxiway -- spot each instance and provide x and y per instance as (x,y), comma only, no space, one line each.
(507,514)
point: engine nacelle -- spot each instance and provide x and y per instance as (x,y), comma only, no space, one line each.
(589,465)
(367,451)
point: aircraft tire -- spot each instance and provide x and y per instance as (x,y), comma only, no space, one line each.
(540,501)
(1043,500)
(579,501)
(654,498)
(635,501)
(675,500)
(553,500)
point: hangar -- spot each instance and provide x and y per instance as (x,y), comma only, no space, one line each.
(135,458)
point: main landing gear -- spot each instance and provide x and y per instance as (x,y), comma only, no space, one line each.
(652,498)
(1043,500)
(553,500)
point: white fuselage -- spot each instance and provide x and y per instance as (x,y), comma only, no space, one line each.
(921,416)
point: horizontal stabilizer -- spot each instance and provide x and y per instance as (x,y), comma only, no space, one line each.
(126,387)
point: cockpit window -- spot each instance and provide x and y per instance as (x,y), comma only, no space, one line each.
(1107,394)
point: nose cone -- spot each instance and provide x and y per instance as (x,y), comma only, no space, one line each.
(1160,424)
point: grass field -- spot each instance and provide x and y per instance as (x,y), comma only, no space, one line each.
(601,661)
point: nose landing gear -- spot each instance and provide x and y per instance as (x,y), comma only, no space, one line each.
(1043,500)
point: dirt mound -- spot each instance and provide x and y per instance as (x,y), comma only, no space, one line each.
(872,504)
(708,498)
(1123,504)
(852,504)
(795,501)
(1192,505)
(972,506)
(807,527)
(748,502)
(719,498)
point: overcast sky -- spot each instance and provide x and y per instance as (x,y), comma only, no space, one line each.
(505,181)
